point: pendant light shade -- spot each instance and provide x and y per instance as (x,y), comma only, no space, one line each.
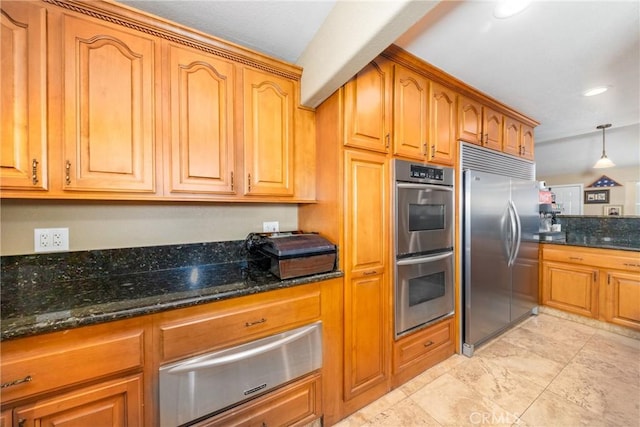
(604,161)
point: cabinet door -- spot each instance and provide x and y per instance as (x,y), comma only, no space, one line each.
(411,114)
(442,125)
(6,418)
(622,299)
(492,129)
(469,120)
(572,288)
(526,142)
(115,403)
(269,103)
(201,155)
(23,155)
(367,109)
(108,107)
(366,332)
(511,137)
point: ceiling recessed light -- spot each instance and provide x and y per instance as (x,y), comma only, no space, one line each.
(508,8)
(595,91)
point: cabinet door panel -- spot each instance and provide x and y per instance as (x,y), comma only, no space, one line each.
(365,343)
(492,128)
(202,152)
(442,125)
(411,103)
(268,133)
(526,142)
(571,287)
(623,299)
(470,121)
(366,109)
(366,237)
(114,404)
(23,160)
(108,108)
(511,137)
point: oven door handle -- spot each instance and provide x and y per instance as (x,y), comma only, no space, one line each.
(423,259)
(423,186)
(211,360)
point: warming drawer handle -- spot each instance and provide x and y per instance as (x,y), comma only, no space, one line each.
(255,322)
(26,379)
(213,360)
(423,259)
(423,186)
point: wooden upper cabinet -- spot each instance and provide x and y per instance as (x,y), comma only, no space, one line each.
(470,121)
(492,128)
(526,142)
(442,125)
(108,106)
(411,114)
(511,137)
(201,148)
(367,108)
(23,156)
(269,103)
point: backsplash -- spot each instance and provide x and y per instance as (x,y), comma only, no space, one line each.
(612,231)
(51,268)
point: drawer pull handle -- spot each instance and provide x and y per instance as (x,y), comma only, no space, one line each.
(369,273)
(34,172)
(428,343)
(631,264)
(256,322)
(576,258)
(26,379)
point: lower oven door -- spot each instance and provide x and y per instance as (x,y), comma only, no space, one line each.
(424,290)
(203,385)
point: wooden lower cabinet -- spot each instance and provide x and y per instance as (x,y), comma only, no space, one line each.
(600,283)
(114,403)
(571,288)
(296,404)
(622,296)
(419,351)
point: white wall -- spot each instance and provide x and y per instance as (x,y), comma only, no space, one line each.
(108,225)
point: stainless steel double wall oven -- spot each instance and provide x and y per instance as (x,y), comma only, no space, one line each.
(424,239)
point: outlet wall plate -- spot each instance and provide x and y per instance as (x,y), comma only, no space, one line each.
(270,227)
(51,239)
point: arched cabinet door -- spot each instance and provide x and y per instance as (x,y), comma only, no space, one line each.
(442,125)
(411,114)
(108,107)
(23,143)
(201,147)
(269,111)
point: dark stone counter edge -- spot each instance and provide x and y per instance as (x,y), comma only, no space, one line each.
(35,325)
(594,246)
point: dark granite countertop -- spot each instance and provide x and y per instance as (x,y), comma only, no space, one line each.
(595,242)
(31,307)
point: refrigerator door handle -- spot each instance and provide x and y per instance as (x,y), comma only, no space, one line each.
(517,238)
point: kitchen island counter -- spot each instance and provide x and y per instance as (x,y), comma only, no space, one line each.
(40,301)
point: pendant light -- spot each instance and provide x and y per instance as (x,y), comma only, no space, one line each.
(604,161)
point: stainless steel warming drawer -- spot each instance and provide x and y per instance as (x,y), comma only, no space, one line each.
(203,385)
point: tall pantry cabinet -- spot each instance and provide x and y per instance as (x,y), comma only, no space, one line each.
(353,191)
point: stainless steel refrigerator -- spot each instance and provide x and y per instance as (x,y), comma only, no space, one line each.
(500,259)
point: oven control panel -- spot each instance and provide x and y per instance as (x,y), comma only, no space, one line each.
(423,173)
(426,172)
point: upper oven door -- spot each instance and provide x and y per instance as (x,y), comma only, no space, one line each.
(424,218)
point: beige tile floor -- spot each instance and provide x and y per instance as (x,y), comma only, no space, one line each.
(547,371)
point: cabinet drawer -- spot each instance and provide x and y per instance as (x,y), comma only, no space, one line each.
(57,360)
(420,344)
(605,258)
(239,323)
(296,404)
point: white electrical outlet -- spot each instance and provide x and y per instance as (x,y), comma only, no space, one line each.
(270,226)
(51,239)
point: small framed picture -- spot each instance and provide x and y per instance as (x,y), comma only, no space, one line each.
(613,210)
(596,196)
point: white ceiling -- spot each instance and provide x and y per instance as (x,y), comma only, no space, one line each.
(538,62)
